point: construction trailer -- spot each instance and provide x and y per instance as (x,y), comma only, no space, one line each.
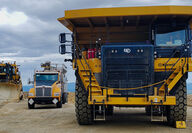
(10,82)
(129,57)
(50,86)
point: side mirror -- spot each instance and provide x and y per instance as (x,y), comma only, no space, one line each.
(30,82)
(62,49)
(66,60)
(62,38)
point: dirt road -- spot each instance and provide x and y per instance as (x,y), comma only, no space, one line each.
(16,118)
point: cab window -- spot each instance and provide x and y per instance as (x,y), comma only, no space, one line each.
(167,35)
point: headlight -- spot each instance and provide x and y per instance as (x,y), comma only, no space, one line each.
(56,94)
(31,94)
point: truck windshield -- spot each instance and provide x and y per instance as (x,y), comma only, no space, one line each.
(170,36)
(46,79)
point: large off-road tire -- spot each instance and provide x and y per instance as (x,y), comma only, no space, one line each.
(31,106)
(178,112)
(59,104)
(84,112)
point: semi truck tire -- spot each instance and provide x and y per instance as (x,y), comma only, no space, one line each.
(65,98)
(178,112)
(59,104)
(84,112)
(31,106)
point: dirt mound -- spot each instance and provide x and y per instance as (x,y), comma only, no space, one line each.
(71,97)
(189,100)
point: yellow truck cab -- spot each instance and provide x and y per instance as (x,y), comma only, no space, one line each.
(49,86)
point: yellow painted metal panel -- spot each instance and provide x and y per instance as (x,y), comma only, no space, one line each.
(123,11)
(175,80)
(32,90)
(95,65)
(170,100)
(128,11)
(159,63)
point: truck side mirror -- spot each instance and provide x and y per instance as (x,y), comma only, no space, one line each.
(30,82)
(62,38)
(62,49)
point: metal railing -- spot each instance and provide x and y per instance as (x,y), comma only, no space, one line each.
(90,72)
(181,56)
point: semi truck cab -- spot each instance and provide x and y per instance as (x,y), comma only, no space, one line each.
(49,88)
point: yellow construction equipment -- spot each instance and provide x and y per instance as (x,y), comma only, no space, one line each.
(10,82)
(130,56)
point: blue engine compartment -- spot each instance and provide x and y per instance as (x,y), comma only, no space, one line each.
(128,66)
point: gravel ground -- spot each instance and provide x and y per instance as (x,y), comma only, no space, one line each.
(17,118)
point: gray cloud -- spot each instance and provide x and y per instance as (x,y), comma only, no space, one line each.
(36,40)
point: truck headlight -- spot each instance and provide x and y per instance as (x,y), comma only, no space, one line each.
(56,94)
(31,94)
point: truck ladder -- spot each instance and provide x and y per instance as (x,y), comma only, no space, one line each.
(156,112)
(172,80)
(99,114)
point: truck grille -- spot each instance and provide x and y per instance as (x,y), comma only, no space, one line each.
(127,66)
(43,91)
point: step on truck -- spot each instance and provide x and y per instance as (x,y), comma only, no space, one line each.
(49,86)
(130,57)
(10,82)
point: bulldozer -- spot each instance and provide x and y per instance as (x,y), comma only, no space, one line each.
(10,82)
(50,86)
(130,57)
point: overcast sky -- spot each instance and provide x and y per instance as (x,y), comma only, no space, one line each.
(29,29)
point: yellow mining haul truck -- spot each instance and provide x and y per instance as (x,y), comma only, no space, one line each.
(50,86)
(10,82)
(130,56)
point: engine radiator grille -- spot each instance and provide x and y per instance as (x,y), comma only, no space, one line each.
(43,91)
(127,66)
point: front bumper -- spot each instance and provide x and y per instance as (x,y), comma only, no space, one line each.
(43,100)
(132,101)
